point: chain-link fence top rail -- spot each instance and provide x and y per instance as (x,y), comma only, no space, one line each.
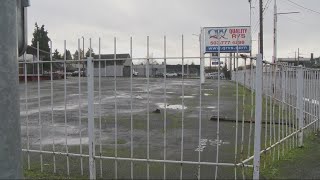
(129,117)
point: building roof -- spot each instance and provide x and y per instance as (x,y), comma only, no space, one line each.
(301,59)
(121,59)
(28,58)
(111,56)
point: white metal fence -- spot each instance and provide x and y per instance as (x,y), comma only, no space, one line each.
(290,105)
(162,127)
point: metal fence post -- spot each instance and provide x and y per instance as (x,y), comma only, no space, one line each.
(300,104)
(202,59)
(258,116)
(91,135)
(10,139)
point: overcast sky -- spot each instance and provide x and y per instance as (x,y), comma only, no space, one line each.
(72,19)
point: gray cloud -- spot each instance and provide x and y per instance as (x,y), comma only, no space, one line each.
(72,19)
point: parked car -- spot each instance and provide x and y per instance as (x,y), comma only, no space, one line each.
(171,74)
(159,75)
(134,73)
(214,75)
(76,73)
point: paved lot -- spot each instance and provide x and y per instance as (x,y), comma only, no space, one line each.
(105,134)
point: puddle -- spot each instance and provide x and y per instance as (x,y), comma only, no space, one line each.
(211,107)
(140,91)
(187,97)
(139,97)
(71,95)
(62,141)
(209,142)
(46,109)
(208,107)
(207,94)
(171,106)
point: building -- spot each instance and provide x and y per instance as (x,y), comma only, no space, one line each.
(157,70)
(307,62)
(111,65)
(295,61)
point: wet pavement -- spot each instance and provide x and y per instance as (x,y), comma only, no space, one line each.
(113,119)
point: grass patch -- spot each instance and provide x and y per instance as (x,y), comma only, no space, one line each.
(296,163)
(36,174)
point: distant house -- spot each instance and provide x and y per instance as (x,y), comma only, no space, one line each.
(31,67)
(111,65)
(158,69)
(30,59)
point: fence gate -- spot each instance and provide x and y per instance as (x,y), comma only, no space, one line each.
(121,116)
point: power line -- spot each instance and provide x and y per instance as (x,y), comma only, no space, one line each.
(264,12)
(261,13)
(267,5)
(255,3)
(311,10)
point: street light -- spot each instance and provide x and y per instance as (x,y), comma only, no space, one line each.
(275,23)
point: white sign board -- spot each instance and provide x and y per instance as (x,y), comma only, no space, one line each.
(227,39)
(215,63)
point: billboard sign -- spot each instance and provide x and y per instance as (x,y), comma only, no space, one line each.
(227,39)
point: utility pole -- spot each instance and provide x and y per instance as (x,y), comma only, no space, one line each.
(250,3)
(211,56)
(295,57)
(82,53)
(275,29)
(261,26)
(298,56)
(13,40)
(275,21)
(230,62)
(234,62)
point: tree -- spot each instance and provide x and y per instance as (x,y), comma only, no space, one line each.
(56,54)
(75,55)
(153,61)
(227,73)
(41,35)
(68,55)
(88,53)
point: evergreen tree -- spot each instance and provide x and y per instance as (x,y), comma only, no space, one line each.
(68,55)
(75,55)
(41,35)
(88,53)
(56,54)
